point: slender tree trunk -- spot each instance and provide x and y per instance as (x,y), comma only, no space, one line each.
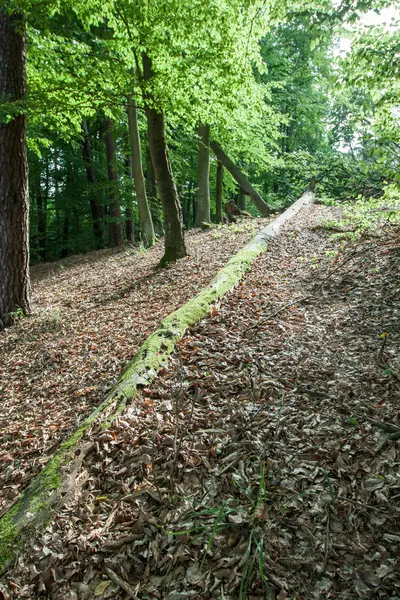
(240,178)
(219,188)
(67,193)
(146,222)
(155,204)
(174,239)
(129,219)
(242,199)
(116,236)
(14,203)
(203,177)
(65,235)
(95,207)
(41,220)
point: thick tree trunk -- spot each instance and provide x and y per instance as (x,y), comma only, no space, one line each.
(14,203)
(203,177)
(242,199)
(174,239)
(116,236)
(240,178)
(155,204)
(95,207)
(146,222)
(219,189)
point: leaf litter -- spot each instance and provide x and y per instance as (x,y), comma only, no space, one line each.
(253,467)
(91,314)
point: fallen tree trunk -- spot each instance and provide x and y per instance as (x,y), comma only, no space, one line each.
(240,178)
(37,504)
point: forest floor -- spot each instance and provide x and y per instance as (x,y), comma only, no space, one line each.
(91,313)
(256,466)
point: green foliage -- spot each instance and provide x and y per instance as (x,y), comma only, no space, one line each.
(367,214)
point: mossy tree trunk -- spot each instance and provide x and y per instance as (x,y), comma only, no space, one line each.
(203,177)
(174,239)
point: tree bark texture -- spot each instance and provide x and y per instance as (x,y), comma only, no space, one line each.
(146,222)
(14,201)
(219,189)
(116,236)
(95,207)
(240,178)
(174,239)
(203,177)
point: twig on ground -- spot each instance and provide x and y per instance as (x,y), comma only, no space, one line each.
(121,583)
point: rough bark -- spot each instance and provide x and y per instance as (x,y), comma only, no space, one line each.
(240,178)
(14,203)
(203,177)
(219,188)
(174,239)
(146,222)
(95,206)
(116,236)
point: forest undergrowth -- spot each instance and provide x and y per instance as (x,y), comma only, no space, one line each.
(258,464)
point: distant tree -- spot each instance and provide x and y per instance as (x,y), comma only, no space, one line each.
(203,177)
(146,221)
(116,235)
(14,205)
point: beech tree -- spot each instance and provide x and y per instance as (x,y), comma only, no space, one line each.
(203,177)
(146,221)
(116,236)
(14,205)
(174,239)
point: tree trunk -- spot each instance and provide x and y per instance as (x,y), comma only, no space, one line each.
(67,194)
(203,177)
(116,236)
(95,207)
(241,179)
(174,239)
(242,199)
(41,220)
(155,204)
(146,222)
(219,189)
(65,235)
(129,219)
(14,201)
